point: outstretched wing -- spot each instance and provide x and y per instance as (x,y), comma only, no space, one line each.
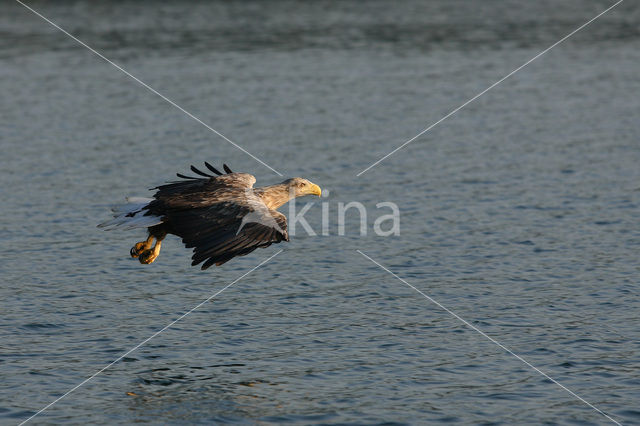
(193,192)
(228,229)
(217,215)
(209,182)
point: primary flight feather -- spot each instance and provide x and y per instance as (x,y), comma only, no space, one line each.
(219,215)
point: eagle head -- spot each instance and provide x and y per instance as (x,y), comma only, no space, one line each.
(300,187)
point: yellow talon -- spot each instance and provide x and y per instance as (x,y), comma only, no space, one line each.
(148,256)
(141,247)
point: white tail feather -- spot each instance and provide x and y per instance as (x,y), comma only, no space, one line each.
(131,215)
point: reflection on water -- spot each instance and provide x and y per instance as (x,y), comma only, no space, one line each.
(519,213)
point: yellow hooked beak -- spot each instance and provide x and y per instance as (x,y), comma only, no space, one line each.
(315,190)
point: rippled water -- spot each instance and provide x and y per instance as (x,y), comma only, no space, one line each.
(519,213)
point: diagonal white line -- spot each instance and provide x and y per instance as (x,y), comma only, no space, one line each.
(151,337)
(489,88)
(151,89)
(473,327)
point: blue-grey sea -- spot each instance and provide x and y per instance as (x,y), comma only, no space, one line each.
(520,213)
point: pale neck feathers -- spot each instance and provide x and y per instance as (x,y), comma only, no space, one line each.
(274,196)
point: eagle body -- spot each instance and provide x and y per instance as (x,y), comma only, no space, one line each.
(220,216)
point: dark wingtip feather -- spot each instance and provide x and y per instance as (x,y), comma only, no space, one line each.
(194,170)
(213,169)
(180,175)
(226,168)
(207,264)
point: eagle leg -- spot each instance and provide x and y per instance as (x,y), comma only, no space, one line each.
(148,256)
(141,247)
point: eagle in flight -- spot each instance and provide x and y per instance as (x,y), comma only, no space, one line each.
(219,215)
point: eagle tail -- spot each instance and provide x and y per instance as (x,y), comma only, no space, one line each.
(131,215)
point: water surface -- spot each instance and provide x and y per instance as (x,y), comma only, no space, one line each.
(519,213)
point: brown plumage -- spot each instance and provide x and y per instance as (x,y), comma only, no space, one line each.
(220,216)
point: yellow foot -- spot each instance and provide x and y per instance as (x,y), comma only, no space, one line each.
(148,256)
(141,247)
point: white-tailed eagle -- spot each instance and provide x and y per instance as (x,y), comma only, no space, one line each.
(220,216)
